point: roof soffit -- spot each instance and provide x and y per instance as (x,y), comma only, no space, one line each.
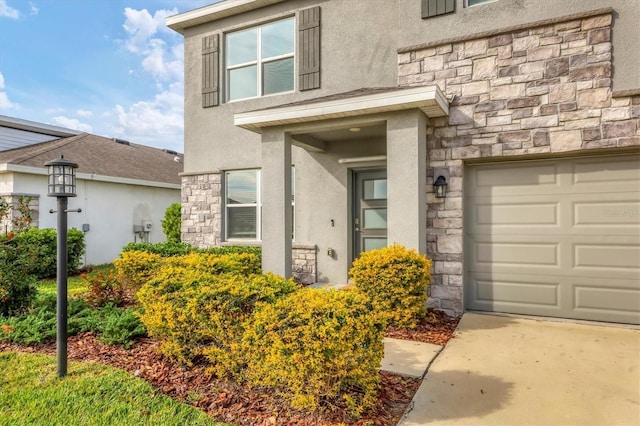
(429,99)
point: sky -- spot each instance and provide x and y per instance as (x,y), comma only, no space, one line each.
(107,67)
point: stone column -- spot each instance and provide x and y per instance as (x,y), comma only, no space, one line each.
(276,202)
(406,180)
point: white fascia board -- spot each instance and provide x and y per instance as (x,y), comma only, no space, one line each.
(214,12)
(89,176)
(429,99)
(35,127)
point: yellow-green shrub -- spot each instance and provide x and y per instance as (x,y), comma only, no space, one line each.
(135,268)
(196,313)
(315,346)
(236,263)
(396,279)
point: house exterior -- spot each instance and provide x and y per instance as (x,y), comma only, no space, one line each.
(123,189)
(330,121)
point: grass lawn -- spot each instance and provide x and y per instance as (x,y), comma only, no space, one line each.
(75,285)
(91,394)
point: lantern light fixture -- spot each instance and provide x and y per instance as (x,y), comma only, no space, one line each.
(62,177)
(440,187)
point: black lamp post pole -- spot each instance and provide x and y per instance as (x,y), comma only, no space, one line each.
(61,335)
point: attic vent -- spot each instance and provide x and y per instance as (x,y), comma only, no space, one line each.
(168,151)
(122,141)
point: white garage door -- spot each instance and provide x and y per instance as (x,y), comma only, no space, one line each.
(555,238)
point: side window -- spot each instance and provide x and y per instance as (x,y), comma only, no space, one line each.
(468,3)
(260,60)
(243,204)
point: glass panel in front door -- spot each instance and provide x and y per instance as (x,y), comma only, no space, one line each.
(370,211)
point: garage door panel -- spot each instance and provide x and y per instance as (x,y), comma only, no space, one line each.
(619,300)
(610,215)
(606,174)
(521,214)
(515,180)
(607,258)
(519,293)
(516,254)
(567,246)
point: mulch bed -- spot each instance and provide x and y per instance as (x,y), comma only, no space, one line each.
(233,403)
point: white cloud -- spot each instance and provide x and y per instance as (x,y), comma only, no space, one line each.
(34,10)
(7,11)
(157,122)
(84,113)
(72,123)
(5,103)
(141,26)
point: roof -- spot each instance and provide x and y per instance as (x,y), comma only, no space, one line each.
(213,12)
(16,132)
(97,155)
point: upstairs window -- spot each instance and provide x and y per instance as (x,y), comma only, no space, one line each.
(260,60)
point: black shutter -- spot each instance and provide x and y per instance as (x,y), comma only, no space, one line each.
(309,48)
(210,71)
(437,7)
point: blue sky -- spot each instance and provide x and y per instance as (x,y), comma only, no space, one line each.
(108,67)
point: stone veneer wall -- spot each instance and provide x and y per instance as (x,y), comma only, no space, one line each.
(202,209)
(541,90)
(202,222)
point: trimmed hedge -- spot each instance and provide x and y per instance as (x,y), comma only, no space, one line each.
(316,347)
(396,279)
(170,248)
(196,313)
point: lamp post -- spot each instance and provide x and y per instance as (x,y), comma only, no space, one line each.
(62,185)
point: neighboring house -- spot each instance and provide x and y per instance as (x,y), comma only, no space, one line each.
(528,109)
(16,132)
(123,189)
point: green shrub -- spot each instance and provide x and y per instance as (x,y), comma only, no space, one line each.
(113,325)
(196,313)
(39,324)
(315,348)
(396,279)
(17,285)
(164,249)
(170,248)
(172,222)
(42,246)
(121,327)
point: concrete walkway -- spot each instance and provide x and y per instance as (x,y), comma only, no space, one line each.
(502,370)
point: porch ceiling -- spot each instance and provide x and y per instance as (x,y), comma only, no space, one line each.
(429,99)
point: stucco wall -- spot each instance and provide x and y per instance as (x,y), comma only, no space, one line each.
(361,52)
(110,209)
(544,91)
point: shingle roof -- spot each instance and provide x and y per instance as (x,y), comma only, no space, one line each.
(102,156)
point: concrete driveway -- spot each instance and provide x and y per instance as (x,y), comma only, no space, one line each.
(502,370)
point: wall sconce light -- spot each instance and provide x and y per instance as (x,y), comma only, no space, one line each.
(440,187)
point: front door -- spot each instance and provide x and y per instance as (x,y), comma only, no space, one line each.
(370,211)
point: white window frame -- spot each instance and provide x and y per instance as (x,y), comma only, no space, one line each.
(466,3)
(257,205)
(260,61)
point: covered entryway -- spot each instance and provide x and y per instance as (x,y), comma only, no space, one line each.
(555,238)
(322,132)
